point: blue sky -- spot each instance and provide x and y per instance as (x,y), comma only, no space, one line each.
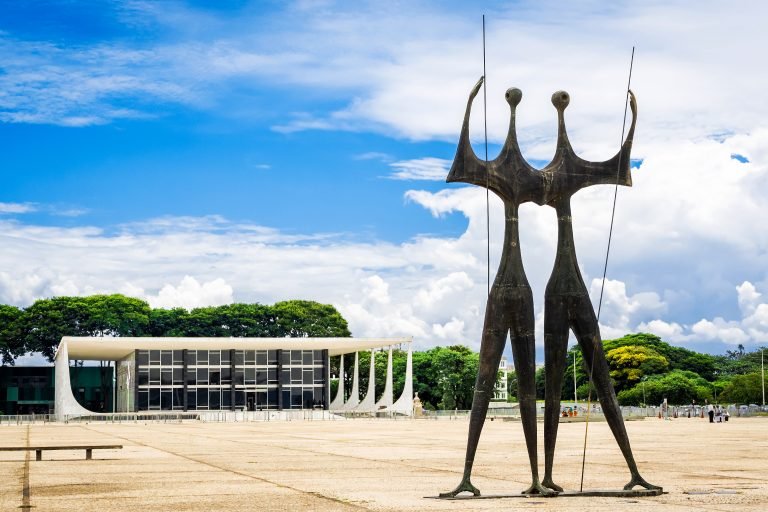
(195,153)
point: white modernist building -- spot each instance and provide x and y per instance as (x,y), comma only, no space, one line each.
(231,374)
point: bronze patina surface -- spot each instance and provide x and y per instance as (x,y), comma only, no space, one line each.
(509,307)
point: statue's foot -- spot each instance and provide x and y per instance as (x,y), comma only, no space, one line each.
(537,488)
(464,486)
(638,480)
(547,482)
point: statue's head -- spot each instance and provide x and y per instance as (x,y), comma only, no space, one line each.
(560,100)
(513,96)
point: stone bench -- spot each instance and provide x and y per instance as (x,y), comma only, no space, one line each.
(39,449)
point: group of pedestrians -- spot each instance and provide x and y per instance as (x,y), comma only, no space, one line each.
(717,413)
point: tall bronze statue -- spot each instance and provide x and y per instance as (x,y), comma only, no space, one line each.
(566,301)
(509,306)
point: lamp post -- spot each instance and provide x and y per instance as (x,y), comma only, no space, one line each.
(576,397)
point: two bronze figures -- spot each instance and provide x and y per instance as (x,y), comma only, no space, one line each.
(566,301)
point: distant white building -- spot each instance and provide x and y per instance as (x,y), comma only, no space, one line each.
(500,391)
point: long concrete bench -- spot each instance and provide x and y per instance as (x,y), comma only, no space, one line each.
(39,449)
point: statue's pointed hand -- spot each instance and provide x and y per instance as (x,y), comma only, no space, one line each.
(476,88)
(633,102)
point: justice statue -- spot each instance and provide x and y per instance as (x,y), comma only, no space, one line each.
(567,306)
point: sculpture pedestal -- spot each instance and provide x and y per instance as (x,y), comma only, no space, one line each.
(635,493)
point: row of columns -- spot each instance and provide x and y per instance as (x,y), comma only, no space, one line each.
(403,405)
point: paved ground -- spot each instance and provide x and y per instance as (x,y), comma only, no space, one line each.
(373,465)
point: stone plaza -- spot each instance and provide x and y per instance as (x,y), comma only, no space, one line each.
(372,464)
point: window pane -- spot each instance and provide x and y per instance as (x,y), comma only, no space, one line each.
(286,399)
(191,377)
(239,377)
(272,397)
(166,358)
(154,376)
(154,398)
(178,378)
(178,398)
(202,357)
(191,400)
(202,376)
(250,356)
(319,376)
(154,357)
(226,375)
(166,400)
(239,358)
(143,358)
(214,399)
(320,397)
(191,358)
(214,378)
(308,377)
(250,376)
(306,357)
(295,398)
(226,356)
(285,376)
(239,398)
(214,357)
(285,357)
(202,398)
(272,356)
(318,356)
(272,375)
(261,377)
(296,375)
(226,399)
(178,357)
(143,400)
(308,396)
(143,378)
(261,358)
(166,377)
(295,356)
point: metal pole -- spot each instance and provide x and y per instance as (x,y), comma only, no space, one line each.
(575,396)
(762,372)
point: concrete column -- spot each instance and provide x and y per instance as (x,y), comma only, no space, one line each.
(369,402)
(386,399)
(404,404)
(66,405)
(354,397)
(338,402)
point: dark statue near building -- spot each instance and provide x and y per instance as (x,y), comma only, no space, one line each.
(567,305)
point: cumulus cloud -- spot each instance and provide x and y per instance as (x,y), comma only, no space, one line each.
(17,208)
(190,293)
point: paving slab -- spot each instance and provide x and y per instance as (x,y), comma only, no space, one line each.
(375,465)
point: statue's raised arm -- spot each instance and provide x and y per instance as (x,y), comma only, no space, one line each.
(615,171)
(467,168)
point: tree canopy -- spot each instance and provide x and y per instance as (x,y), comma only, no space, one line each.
(40,327)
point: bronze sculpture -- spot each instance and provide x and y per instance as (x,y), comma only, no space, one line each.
(510,302)
(567,305)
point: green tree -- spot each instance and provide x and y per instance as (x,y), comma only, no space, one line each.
(11,336)
(457,371)
(303,318)
(679,387)
(629,363)
(743,389)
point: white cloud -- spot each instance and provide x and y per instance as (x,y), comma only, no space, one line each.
(191,294)
(434,169)
(17,208)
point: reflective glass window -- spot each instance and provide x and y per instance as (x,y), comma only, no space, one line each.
(143,358)
(261,358)
(202,376)
(214,377)
(214,357)
(166,357)
(191,357)
(166,377)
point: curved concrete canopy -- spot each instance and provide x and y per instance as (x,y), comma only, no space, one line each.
(113,349)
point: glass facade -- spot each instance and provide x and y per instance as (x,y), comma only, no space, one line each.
(188,380)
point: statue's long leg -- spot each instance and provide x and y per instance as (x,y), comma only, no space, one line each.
(524,355)
(587,331)
(555,350)
(491,348)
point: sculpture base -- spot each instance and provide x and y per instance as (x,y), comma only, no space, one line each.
(636,493)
